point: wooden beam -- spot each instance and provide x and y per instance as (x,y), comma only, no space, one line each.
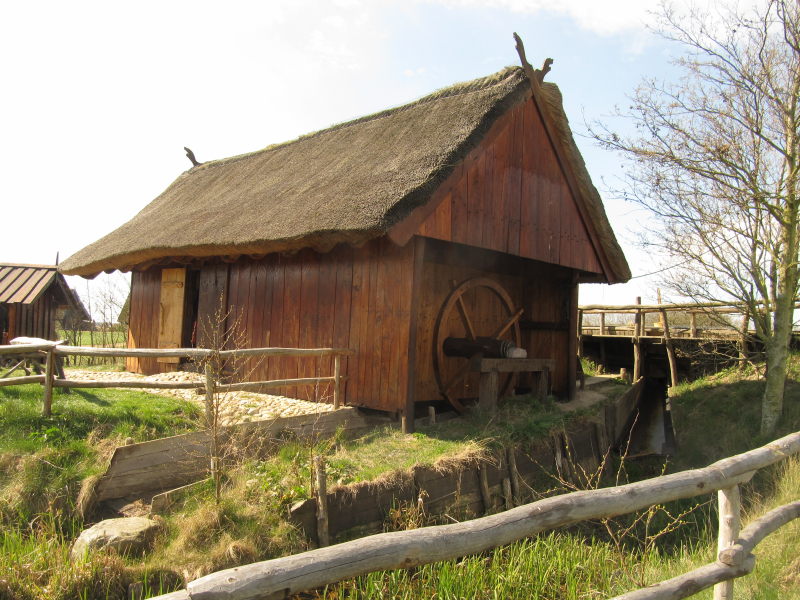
(673,362)
(22,380)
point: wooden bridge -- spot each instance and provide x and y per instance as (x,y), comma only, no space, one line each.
(630,332)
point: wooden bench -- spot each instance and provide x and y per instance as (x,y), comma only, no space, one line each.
(490,369)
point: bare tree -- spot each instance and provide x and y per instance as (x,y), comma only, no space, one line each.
(715,158)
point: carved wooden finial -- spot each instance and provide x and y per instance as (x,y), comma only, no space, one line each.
(535,75)
(190,154)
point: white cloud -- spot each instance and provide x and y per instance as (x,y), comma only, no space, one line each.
(605,17)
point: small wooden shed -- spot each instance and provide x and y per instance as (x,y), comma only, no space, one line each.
(452,215)
(33,299)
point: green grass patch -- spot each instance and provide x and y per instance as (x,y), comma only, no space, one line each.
(43,460)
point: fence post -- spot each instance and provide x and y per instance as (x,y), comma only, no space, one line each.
(637,344)
(729,503)
(49,375)
(337,370)
(321,490)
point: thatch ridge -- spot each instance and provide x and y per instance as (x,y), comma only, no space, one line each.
(463,87)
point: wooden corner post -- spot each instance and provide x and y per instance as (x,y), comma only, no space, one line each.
(730,521)
(49,376)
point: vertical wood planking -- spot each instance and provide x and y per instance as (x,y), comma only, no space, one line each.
(291,318)
(531,234)
(309,317)
(326,317)
(276,340)
(514,183)
(355,364)
(343,309)
(372,336)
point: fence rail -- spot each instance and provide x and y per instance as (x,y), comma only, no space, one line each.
(283,577)
(50,351)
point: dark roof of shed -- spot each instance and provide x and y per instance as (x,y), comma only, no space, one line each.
(346,184)
(25,284)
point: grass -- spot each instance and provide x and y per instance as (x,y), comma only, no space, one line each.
(580,563)
(42,462)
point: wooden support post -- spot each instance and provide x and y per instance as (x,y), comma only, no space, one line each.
(488,390)
(406,422)
(673,363)
(602,323)
(580,333)
(743,354)
(49,376)
(637,344)
(337,381)
(544,384)
(432,415)
(484,487)
(321,492)
(693,324)
(729,503)
(513,475)
(572,356)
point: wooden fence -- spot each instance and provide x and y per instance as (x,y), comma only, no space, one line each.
(50,351)
(282,577)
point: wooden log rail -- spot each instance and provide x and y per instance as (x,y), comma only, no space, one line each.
(283,577)
(50,350)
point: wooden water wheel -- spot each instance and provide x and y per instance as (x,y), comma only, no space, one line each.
(478,307)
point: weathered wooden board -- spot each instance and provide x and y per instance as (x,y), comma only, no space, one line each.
(170,462)
(368,503)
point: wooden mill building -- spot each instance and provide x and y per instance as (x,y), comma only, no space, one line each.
(357,236)
(33,299)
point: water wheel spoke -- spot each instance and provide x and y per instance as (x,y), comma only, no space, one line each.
(508,324)
(462,310)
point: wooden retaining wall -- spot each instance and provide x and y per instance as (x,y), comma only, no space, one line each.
(175,461)
(508,477)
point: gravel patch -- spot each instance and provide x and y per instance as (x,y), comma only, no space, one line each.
(234,407)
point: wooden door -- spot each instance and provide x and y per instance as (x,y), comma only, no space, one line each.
(170,317)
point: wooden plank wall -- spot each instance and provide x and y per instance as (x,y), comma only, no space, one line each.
(349,298)
(35,320)
(143,321)
(510,195)
(547,301)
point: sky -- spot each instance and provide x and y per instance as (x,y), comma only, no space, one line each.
(98,99)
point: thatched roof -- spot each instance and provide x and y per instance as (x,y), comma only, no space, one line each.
(346,184)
